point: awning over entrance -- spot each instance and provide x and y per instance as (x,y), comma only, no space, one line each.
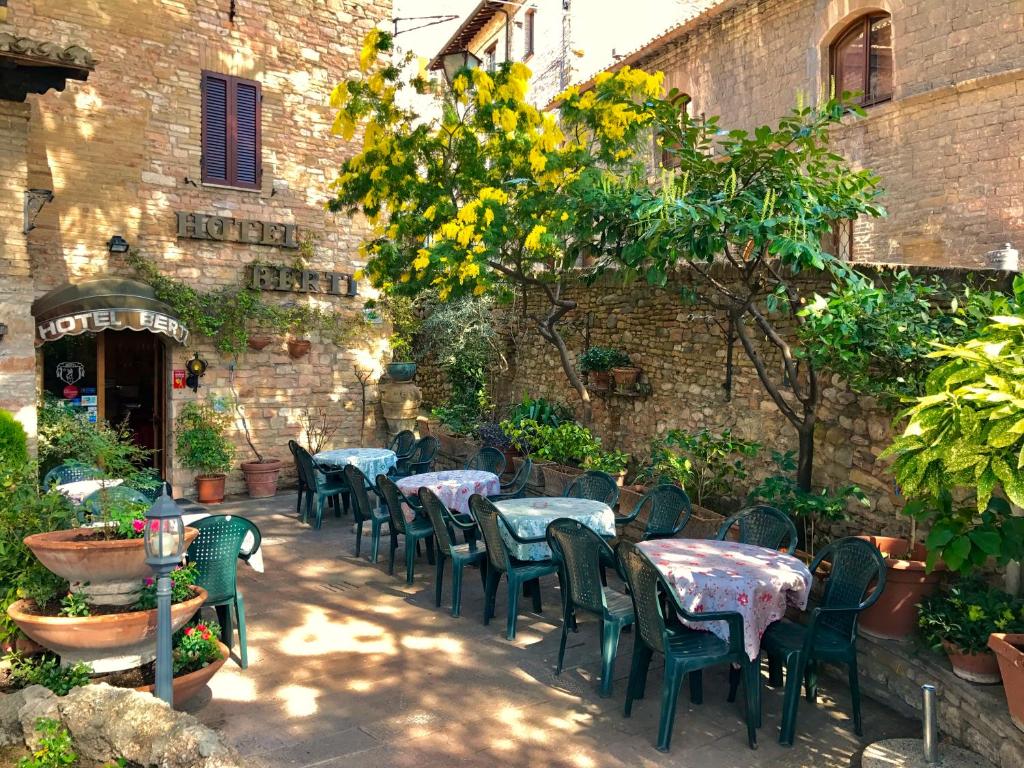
(34,66)
(104,304)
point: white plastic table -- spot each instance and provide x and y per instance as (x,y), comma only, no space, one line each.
(708,576)
(529,519)
(254,559)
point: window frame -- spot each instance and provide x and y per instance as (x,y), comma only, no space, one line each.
(491,57)
(231,139)
(861,24)
(530,33)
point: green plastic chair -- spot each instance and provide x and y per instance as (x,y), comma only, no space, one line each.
(402,443)
(419,460)
(487,459)
(762,526)
(461,555)
(669,511)
(92,505)
(500,561)
(686,651)
(516,487)
(319,488)
(595,485)
(302,487)
(418,530)
(70,472)
(580,553)
(830,633)
(215,553)
(363,511)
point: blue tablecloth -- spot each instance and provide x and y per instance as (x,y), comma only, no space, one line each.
(373,461)
(530,517)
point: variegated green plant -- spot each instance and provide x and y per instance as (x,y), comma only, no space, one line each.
(967,430)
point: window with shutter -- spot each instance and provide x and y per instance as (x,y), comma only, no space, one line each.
(231,131)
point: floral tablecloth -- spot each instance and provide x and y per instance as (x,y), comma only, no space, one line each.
(753,581)
(453,487)
(372,461)
(80,489)
(529,518)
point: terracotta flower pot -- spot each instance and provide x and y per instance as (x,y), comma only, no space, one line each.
(558,477)
(894,615)
(210,489)
(625,378)
(188,685)
(1009,651)
(261,477)
(108,572)
(600,380)
(108,643)
(982,668)
(298,348)
(259,341)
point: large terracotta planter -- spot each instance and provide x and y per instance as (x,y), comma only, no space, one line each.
(107,643)
(400,403)
(704,523)
(600,381)
(1009,651)
(982,668)
(188,685)
(259,341)
(107,572)
(210,489)
(535,482)
(558,477)
(894,615)
(625,378)
(298,348)
(261,477)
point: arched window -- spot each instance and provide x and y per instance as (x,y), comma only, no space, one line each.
(861,59)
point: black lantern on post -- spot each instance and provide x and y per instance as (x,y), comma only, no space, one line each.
(196,367)
(164,541)
(453,63)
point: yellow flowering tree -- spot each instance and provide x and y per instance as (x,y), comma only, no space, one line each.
(493,196)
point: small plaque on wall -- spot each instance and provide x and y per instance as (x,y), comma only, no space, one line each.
(179,378)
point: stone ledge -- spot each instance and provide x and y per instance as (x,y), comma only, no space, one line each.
(974,716)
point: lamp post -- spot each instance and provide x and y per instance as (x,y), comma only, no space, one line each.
(453,63)
(164,540)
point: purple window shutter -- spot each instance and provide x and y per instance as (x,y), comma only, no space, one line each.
(215,131)
(246,149)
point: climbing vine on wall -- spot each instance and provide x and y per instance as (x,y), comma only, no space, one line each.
(229,315)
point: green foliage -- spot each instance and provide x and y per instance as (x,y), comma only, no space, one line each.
(200,437)
(227,315)
(46,670)
(963,539)
(704,464)
(459,419)
(195,647)
(967,614)
(810,507)
(967,430)
(55,748)
(13,441)
(74,604)
(878,337)
(568,443)
(541,411)
(183,579)
(612,462)
(402,312)
(602,359)
(24,511)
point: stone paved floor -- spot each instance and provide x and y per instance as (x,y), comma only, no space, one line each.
(351,667)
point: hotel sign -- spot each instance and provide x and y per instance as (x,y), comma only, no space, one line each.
(265,277)
(96,320)
(201,226)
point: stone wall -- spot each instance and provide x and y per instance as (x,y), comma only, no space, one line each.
(122,153)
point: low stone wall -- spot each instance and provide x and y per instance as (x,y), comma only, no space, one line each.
(106,723)
(974,716)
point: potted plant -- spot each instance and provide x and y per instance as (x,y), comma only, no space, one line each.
(203,447)
(459,422)
(612,462)
(625,375)
(298,348)
(532,411)
(490,434)
(598,363)
(401,312)
(259,341)
(565,447)
(197,656)
(262,474)
(1009,651)
(960,621)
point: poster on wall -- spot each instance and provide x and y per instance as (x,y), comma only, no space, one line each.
(70,372)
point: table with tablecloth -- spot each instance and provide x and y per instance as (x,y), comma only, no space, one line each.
(253,559)
(529,519)
(708,576)
(372,461)
(453,487)
(79,490)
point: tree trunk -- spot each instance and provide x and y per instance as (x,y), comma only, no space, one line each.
(549,332)
(805,459)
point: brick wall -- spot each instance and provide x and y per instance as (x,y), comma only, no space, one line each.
(122,153)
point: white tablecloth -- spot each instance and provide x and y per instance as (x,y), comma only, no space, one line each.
(453,487)
(529,518)
(372,461)
(255,560)
(80,489)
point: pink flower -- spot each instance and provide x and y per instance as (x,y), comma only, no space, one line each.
(138,526)
(189,631)
(742,599)
(148,581)
(206,635)
(200,627)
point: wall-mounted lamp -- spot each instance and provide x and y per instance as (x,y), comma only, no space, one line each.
(117,244)
(453,63)
(3,331)
(196,367)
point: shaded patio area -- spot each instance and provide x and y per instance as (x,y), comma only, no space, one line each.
(350,667)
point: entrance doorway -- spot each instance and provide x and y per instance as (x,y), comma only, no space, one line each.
(113,375)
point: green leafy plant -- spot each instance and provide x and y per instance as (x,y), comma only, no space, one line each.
(568,443)
(402,312)
(46,670)
(597,359)
(195,647)
(200,438)
(967,430)
(183,579)
(74,604)
(612,462)
(962,538)
(967,614)
(810,508)
(705,465)
(55,748)
(13,441)
(541,411)
(459,419)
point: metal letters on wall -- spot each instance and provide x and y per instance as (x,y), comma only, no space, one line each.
(263,277)
(200,226)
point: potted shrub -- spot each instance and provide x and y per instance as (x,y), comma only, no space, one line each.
(612,462)
(262,474)
(565,447)
(625,375)
(203,447)
(597,363)
(536,411)
(960,621)
(298,348)
(1009,650)
(459,421)
(401,312)
(490,434)
(197,656)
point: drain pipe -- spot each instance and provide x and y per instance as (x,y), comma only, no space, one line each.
(930,721)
